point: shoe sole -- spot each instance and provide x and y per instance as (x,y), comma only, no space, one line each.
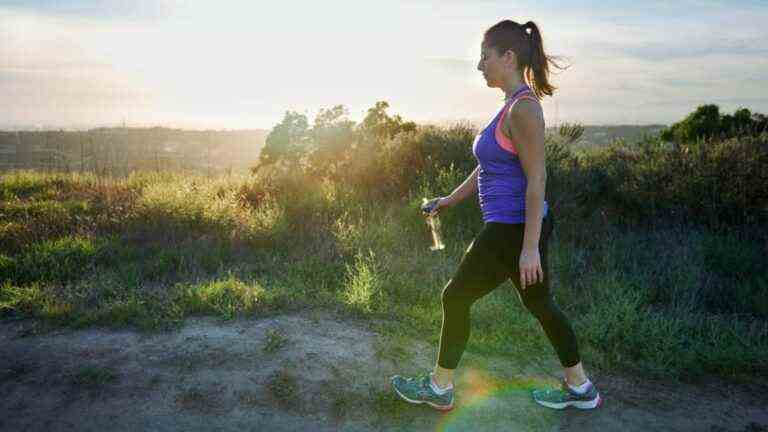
(585,405)
(417,402)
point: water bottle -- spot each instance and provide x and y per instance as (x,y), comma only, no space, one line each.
(433,222)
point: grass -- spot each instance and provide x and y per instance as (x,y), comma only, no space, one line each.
(386,404)
(204,400)
(276,340)
(154,248)
(393,347)
(93,377)
(249,399)
(284,388)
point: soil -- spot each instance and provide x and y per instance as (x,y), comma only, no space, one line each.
(317,372)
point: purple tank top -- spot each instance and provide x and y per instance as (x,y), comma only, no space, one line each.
(501,180)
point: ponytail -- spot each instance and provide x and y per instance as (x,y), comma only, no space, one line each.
(526,42)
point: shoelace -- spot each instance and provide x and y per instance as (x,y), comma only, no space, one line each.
(419,378)
(425,381)
(568,388)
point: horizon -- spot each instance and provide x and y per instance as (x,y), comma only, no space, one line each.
(189,65)
(40,128)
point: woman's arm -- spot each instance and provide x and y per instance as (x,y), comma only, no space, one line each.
(467,188)
(528,129)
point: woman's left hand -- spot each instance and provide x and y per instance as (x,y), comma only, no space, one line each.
(530,268)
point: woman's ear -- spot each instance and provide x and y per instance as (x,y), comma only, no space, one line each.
(510,58)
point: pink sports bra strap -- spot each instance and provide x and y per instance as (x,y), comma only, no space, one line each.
(506,143)
(525,96)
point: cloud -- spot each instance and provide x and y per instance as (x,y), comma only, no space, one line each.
(89,61)
(98,9)
(453,66)
(689,48)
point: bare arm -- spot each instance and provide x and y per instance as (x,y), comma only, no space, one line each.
(465,189)
(528,123)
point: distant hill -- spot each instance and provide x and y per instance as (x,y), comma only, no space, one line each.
(130,148)
(600,136)
(123,149)
(594,135)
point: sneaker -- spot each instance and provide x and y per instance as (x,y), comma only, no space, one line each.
(418,390)
(565,396)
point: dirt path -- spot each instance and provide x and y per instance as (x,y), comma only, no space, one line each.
(313,372)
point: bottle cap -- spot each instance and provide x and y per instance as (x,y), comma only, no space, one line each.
(429,206)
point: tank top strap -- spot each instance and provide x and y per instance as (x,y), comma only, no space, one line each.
(504,142)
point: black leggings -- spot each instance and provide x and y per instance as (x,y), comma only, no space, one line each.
(492,258)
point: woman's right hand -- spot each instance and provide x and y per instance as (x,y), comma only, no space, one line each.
(442,202)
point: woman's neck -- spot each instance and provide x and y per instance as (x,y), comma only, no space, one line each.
(511,86)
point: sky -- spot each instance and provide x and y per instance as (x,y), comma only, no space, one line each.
(241,64)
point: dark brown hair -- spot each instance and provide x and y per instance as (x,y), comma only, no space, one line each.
(529,50)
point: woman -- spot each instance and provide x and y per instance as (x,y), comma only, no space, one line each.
(510,180)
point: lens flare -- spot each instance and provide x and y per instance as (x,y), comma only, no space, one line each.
(485,402)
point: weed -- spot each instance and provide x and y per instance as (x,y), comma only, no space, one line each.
(385,404)
(207,400)
(392,348)
(284,388)
(192,399)
(275,341)
(94,377)
(249,399)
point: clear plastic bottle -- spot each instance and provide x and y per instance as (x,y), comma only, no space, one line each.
(433,222)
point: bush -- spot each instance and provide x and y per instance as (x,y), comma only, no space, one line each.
(707,122)
(723,183)
(59,260)
(227,297)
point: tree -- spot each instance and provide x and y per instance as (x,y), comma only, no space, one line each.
(287,142)
(707,122)
(334,142)
(379,125)
(571,132)
(702,123)
(333,136)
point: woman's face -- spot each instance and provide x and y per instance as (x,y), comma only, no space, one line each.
(494,66)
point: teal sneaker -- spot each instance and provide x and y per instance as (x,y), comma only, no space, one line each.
(566,396)
(418,390)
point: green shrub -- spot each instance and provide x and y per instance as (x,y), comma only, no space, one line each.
(61,260)
(226,297)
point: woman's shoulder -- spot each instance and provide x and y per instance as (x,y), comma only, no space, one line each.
(525,109)
(525,104)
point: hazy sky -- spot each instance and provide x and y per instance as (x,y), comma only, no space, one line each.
(242,64)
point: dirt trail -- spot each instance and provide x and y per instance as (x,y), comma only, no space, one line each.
(313,372)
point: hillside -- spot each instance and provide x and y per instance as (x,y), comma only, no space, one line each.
(120,150)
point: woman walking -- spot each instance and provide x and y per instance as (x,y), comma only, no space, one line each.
(510,181)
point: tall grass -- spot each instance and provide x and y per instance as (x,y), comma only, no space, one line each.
(653,281)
